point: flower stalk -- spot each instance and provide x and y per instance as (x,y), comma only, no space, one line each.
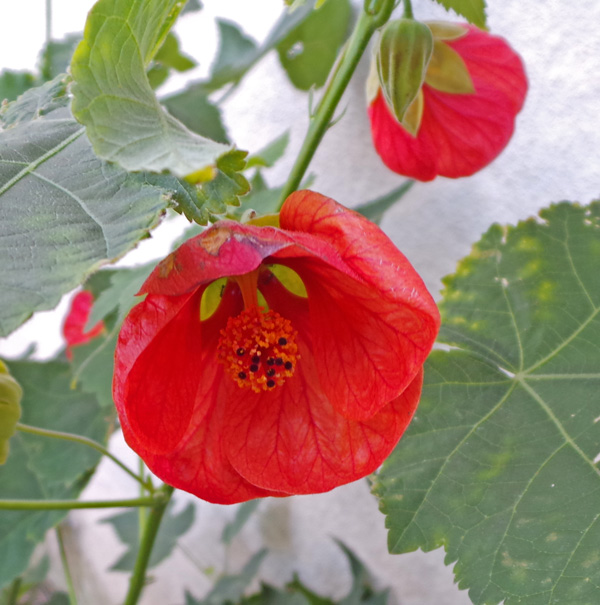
(374,15)
(152,524)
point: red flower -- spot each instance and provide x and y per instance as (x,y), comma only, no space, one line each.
(459,134)
(77,317)
(236,403)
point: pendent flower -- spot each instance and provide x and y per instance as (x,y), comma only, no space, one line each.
(463,111)
(74,330)
(269,361)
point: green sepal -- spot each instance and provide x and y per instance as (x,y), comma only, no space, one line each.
(10,409)
(447,71)
(403,55)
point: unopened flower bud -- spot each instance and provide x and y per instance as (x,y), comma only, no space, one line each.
(10,409)
(403,55)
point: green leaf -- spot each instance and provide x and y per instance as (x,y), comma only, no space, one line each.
(242,515)
(230,589)
(472,10)
(64,212)
(224,189)
(192,107)
(237,52)
(270,154)
(43,468)
(113,98)
(309,51)
(172,527)
(114,292)
(274,596)
(500,463)
(171,56)
(56,56)
(15,83)
(375,209)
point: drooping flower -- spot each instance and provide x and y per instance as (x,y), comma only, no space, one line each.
(76,319)
(269,361)
(456,132)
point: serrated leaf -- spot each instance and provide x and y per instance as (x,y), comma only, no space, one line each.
(172,527)
(309,51)
(40,467)
(192,107)
(375,209)
(64,211)
(113,98)
(472,10)
(269,155)
(14,83)
(500,463)
(242,515)
(224,189)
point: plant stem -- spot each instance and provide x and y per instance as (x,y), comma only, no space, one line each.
(14,589)
(137,581)
(65,564)
(69,504)
(408,11)
(33,430)
(374,15)
(48,21)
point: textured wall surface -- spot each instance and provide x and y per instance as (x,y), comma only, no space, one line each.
(554,155)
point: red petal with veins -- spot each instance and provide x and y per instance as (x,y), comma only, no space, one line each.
(363,333)
(459,133)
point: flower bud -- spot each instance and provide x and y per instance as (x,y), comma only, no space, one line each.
(404,52)
(10,409)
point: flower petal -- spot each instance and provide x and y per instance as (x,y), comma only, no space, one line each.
(293,440)
(371,326)
(459,134)
(156,370)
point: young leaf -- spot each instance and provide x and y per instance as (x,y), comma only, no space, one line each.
(472,10)
(114,99)
(172,527)
(500,462)
(42,468)
(64,212)
(309,51)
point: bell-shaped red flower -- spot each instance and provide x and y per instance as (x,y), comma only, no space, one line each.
(458,132)
(270,361)
(76,319)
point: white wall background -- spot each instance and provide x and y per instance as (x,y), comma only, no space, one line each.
(554,155)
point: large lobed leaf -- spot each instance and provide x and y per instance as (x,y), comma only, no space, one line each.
(113,98)
(500,463)
(42,468)
(64,211)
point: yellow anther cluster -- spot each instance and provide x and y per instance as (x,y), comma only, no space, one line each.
(258,349)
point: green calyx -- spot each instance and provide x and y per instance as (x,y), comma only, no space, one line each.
(10,409)
(403,55)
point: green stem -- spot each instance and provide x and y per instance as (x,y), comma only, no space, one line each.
(48,21)
(375,14)
(65,564)
(69,504)
(34,430)
(138,579)
(408,11)
(15,588)
(142,511)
